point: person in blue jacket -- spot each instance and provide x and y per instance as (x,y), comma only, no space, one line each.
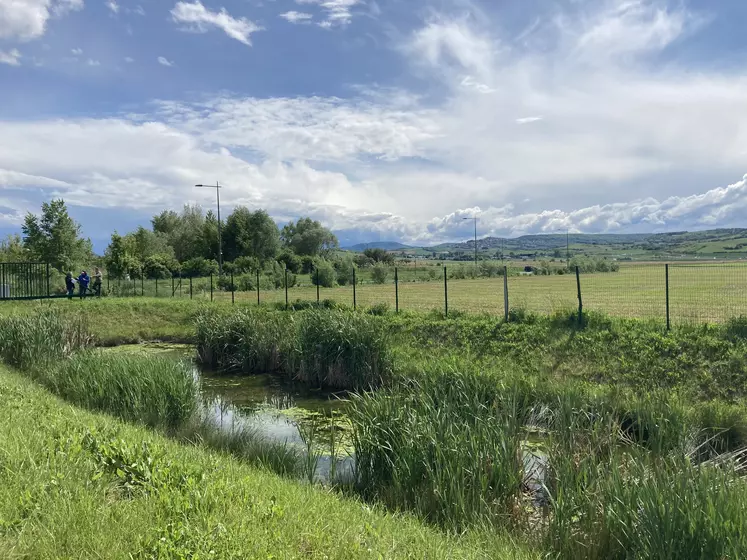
(83,281)
(69,285)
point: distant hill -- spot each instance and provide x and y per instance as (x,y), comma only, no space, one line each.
(386,245)
(709,244)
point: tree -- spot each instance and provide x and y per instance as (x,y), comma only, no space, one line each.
(55,237)
(344,269)
(11,249)
(308,237)
(379,256)
(166,223)
(251,234)
(120,258)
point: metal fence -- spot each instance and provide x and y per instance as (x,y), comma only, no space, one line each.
(671,293)
(27,280)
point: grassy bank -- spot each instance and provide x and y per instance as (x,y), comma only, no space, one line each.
(83,485)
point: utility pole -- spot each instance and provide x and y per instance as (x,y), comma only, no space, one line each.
(217,188)
(475,219)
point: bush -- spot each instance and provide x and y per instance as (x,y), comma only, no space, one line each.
(379,274)
(323,274)
(378,309)
(344,270)
(291,261)
(159,267)
(199,267)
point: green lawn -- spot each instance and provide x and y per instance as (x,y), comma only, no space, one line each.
(60,497)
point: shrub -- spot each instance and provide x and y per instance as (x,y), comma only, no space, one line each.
(199,267)
(378,309)
(344,270)
(379,274)
(323,274)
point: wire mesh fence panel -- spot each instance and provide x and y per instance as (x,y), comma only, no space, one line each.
(541,294)
(633,291)
(707,293)
(421,293)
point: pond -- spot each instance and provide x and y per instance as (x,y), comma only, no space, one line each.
(274,409)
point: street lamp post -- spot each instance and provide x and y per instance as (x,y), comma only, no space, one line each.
(475,219)
(217,188)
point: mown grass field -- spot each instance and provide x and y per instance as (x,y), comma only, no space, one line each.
(697,293)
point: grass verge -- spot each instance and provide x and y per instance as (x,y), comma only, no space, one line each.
(82,485)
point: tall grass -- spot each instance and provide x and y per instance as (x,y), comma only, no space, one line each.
(439,450)
(156,391)
(343,350)
(245,340)
(338,349)
(41,338)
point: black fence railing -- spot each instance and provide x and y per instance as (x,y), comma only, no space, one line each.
(24,280)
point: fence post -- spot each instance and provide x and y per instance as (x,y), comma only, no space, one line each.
(180,283)
(580,303)
(446,295)
(505,294)
(156,286)
(134,286)
(190,287)
(354,282)
(666,277)
(233,290)
(211,286)
(258,286)
(286,288)
(173,287)
(108,286)
(142,284)
(48,279)
(317,285)
(396,291)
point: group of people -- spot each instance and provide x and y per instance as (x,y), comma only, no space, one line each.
(83,283)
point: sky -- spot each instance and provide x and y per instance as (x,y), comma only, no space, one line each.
(384,119)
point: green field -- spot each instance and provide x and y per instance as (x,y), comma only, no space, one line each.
(697,293)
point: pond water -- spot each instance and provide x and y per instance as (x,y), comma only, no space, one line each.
(269,406)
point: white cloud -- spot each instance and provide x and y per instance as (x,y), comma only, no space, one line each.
(11,57)
(163,61)
(200,19)
(113,6)
(296,17)
(25,20)
(338,12)
(574,131)
(76,51)
(129,59)
(92,62)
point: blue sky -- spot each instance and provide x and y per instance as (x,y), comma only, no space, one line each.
(385,119)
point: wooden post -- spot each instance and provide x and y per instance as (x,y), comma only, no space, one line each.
(317,285)
(233,290)
(258,286)
(190,287)
(286,288)
(354,282)
(211,286)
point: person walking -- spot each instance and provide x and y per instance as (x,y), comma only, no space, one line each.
(97,278)
(83,281)
(69,285)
